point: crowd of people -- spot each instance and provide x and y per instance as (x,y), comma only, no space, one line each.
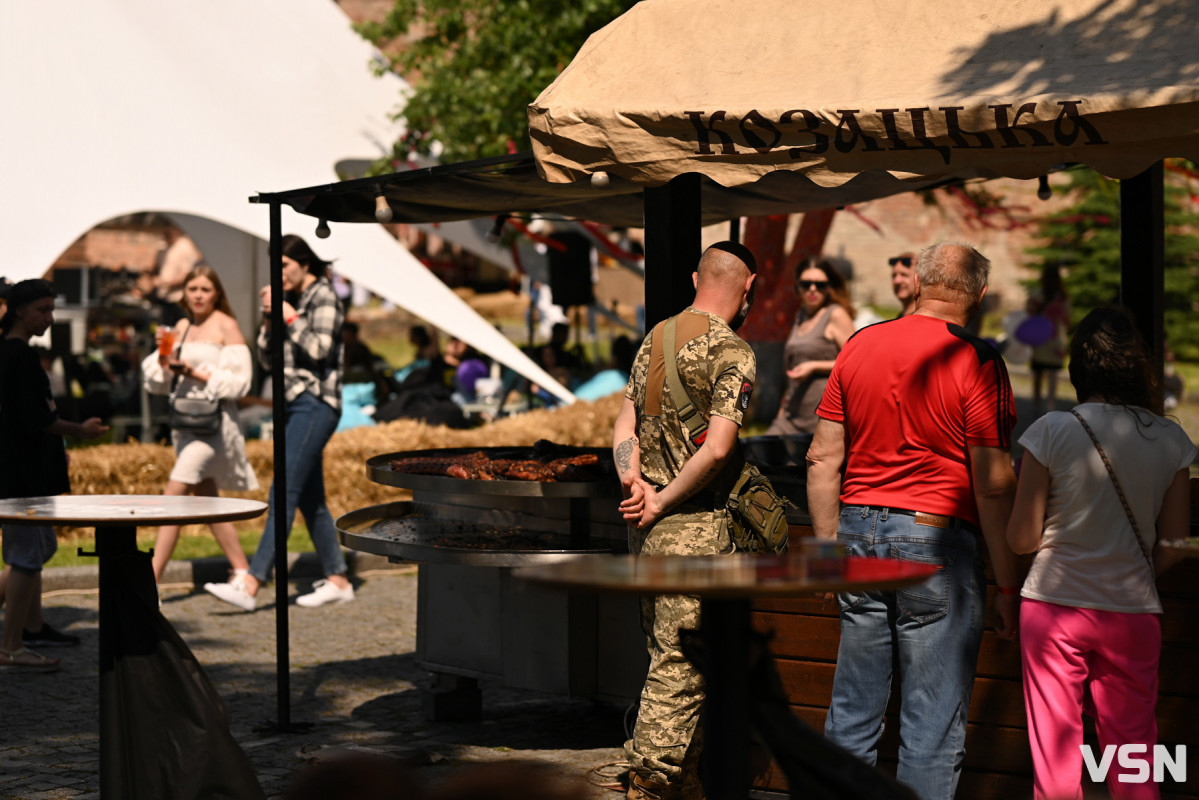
(911,459)
(911,422)
(204,359)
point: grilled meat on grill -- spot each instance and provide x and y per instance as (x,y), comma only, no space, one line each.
(478,466)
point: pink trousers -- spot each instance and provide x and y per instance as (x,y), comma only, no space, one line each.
(1065,650)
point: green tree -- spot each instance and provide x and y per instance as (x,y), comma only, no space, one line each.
(475,65)
(1084,240)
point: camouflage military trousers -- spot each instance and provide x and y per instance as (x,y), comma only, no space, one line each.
(664,751)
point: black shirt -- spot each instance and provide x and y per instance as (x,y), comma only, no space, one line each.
(33,463)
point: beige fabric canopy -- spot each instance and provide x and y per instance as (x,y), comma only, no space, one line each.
(891,94)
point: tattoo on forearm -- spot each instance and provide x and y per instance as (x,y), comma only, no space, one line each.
(704,480)
(624,455)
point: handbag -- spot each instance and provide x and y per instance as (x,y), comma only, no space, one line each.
(757,514)
(1119,491)
(200,416)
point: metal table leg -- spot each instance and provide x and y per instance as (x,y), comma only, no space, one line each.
(110,543)
(725,632)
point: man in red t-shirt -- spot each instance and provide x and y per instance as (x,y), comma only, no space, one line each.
(920,414)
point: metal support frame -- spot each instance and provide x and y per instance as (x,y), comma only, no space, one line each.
(672,246)
(1143,257)
(279,497)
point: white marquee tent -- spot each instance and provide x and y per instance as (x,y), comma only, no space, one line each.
(116,107)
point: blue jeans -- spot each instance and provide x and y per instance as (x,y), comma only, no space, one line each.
(930,633)
(310,423)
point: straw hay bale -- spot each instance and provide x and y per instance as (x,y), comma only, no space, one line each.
(135,468)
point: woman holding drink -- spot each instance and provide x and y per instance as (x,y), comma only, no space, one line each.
(312,368)
(206,356)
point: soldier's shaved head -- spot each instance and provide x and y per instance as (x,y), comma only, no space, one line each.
(726,263)
(724,281)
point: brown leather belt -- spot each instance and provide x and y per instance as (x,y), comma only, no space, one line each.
(934,520)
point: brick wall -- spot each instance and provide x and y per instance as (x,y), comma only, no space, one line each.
(114,249)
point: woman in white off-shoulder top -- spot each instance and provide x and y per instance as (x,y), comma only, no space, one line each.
(214,361)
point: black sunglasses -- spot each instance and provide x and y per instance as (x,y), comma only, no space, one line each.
(820,286)
(905,260)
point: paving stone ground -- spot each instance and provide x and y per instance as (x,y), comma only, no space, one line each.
(353,677)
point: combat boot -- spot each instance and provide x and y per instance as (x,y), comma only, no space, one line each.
(645,789)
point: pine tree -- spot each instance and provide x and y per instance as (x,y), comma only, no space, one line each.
(1085,241)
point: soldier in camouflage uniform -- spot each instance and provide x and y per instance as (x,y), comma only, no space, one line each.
(675,499)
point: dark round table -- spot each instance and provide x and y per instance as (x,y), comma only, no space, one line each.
(726,586)
(116,518)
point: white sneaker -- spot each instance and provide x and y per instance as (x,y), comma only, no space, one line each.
(234,592)
(325,592)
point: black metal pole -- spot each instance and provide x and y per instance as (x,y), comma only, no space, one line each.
(279,438)
(111,545)
(725,631)
(1143,256)
(672,246)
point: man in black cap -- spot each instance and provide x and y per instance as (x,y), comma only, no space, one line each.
(676,482)
(33,463)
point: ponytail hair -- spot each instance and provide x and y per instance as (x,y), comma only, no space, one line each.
(1110,360)
(298,250)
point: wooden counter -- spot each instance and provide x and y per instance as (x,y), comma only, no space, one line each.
(998,765)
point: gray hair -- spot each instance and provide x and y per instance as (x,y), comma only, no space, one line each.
(955,266)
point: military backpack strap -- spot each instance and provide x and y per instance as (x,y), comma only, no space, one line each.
(689,414)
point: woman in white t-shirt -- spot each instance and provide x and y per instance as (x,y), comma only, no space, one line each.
(1089,618)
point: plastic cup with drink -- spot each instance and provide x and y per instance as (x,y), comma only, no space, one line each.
(166,340)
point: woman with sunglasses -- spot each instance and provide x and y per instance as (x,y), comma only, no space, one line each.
(822,326)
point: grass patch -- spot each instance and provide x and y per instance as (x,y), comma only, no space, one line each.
(196,542)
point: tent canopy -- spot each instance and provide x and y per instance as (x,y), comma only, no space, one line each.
(511,185)
(116,107)
(866,91)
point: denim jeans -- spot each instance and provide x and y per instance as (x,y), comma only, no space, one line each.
(930,633)
(310,423)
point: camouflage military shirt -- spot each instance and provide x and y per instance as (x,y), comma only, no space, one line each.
(717,367)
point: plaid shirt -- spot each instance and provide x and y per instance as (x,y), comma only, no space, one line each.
(312,350)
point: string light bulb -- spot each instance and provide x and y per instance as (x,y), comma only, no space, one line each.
(322,229)
(497,230)
(1043,190)
(383,212)
(599,180)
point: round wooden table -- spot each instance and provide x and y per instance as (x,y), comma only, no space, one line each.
(116,518)
(726,586)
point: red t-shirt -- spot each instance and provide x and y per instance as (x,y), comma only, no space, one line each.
(914,394)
